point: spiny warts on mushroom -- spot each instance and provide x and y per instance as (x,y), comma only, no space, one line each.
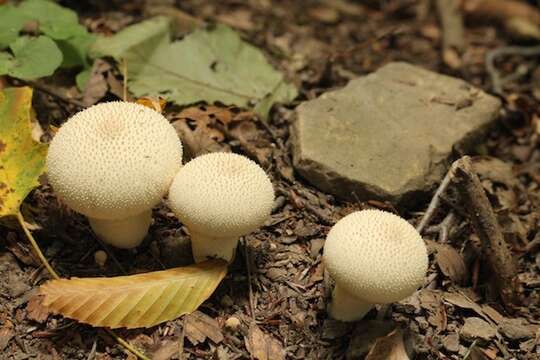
(113,162)
(375,257)
(220,197)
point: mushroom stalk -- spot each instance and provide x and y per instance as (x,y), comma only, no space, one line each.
(346,307)
(204,247)
(123,233)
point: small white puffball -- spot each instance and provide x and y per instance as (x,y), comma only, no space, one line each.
(220,197)
(114,160)
(123,233)
(375,257)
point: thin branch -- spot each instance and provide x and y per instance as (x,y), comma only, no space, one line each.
(484,221)
(125,79)
(497,81)
(248,266)
(453,38)
(127,345)
(36,248)
(434,204)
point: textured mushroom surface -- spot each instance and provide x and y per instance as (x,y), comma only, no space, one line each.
(221,195)
(376,256)
(114,160)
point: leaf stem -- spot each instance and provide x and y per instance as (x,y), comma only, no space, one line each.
(36,247)
(127,345)
(125,78)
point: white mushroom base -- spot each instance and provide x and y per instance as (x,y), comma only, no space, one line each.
(346,307)
(206,247)
(123,233)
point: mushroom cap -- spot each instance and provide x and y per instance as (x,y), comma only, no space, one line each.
(114,160)
(221,195)
(376,256)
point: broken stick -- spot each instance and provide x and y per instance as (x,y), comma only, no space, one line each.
(453,33)
(484,221)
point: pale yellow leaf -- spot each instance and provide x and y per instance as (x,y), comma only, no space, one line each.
(141,300)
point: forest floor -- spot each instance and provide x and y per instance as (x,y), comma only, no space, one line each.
(275,294)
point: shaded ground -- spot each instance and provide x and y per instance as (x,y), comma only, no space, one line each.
(277,282)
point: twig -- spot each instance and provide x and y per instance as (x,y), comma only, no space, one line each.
(496,81)
(125,79)
(126,345)
(434,204)
(453,39)
(181,340)
(445,226)
(36,247)
(468,353)
(484,221)
(248,267)
(92,354)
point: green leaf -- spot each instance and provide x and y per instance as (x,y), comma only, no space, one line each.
(6,63)
(75,50)
(54,20)
(12,21)
(211,66)
(22,160)
(34,57)
(82,78)
(147,34)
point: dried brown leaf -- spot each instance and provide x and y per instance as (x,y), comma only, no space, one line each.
(7,332)
(389,347)
(141,300)
(198,128)
(252,138)
(35,310)
(262,346)
(451,263)
(154,103)
(200,326)
(464,302)
(96,86)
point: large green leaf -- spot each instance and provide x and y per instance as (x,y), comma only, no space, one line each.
(6,63)
(33,57)
(11,22)
(55,21)
(75,50)
(145,36)
(208,65)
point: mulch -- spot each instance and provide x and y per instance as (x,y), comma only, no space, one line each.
(272,303)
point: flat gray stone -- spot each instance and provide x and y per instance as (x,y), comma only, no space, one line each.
(388,135)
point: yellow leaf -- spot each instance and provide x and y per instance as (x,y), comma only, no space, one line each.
(141,300)
(22,160)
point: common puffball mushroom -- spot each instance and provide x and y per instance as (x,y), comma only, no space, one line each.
(220,197)
(375,257)
(113,162)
